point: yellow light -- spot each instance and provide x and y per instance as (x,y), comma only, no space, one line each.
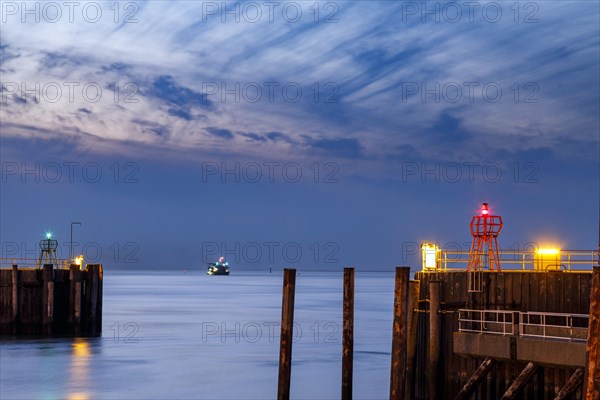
(79,261)
(548,251)
(547,259)
(429,255)
(81,348)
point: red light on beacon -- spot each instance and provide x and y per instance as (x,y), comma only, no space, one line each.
(484,209)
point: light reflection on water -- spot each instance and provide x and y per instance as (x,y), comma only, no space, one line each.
(79,370)
(156,342)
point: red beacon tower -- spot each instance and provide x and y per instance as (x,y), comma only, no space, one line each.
(485,229)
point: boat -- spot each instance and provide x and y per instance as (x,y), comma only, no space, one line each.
(220,267)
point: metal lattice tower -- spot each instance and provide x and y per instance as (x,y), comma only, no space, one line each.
(48,248)
(485,229)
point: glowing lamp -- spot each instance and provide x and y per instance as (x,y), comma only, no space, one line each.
(48,235)
(484,209)
(429,256)
(79,261)
(548,251)
(547,259)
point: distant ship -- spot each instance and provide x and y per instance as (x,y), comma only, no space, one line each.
(220,267)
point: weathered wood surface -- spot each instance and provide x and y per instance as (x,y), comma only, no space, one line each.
(287,328)
(522,380)
(478,376)
(592,380)
(348,334)
(43,301)
(399,333)
(411,339)
(572,385)
(552,291)
(435,339)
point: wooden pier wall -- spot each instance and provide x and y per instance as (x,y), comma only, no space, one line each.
(60,302)
(552,291)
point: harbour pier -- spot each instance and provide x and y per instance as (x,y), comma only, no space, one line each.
(50,300)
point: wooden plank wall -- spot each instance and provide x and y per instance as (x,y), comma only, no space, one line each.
(31,305)
(554,291)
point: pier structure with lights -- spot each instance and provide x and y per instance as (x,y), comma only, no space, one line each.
(501,324)
(50,296)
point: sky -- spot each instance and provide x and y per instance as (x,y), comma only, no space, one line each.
(296,134)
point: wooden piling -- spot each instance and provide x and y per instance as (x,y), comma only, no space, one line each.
(435,338)
(519,384)
(51,301)
(484,368)
(572,385)
(592,380)
(73,270)
(348,334)
(411,339)
(100,296)
(75,299)
(15,297)
(287,332)
(399,332)
(93,272)
(48,297)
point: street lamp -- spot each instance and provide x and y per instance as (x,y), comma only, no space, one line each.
(71,246)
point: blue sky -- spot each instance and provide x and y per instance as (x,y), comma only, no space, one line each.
(370,94)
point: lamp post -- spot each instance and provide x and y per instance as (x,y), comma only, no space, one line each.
(71,242)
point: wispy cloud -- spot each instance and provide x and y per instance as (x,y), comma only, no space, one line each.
(372,79)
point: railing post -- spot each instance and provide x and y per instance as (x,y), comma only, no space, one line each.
(570,324)
(544,324)
(521,325)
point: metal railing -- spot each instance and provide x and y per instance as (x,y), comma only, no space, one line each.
(32,263)
(523,260)
(486,321)
(553,325)
(545,325)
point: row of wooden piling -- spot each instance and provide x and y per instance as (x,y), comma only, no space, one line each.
(404,343)
(49,301)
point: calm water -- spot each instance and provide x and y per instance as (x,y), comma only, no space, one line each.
(183,335)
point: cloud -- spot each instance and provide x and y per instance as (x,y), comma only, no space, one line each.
(183,114)
(182,64)
(166,89)
(221,133)
(343,148)
(279,137)
(149,127)
(253,137)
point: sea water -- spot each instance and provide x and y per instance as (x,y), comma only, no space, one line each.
(185,335)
